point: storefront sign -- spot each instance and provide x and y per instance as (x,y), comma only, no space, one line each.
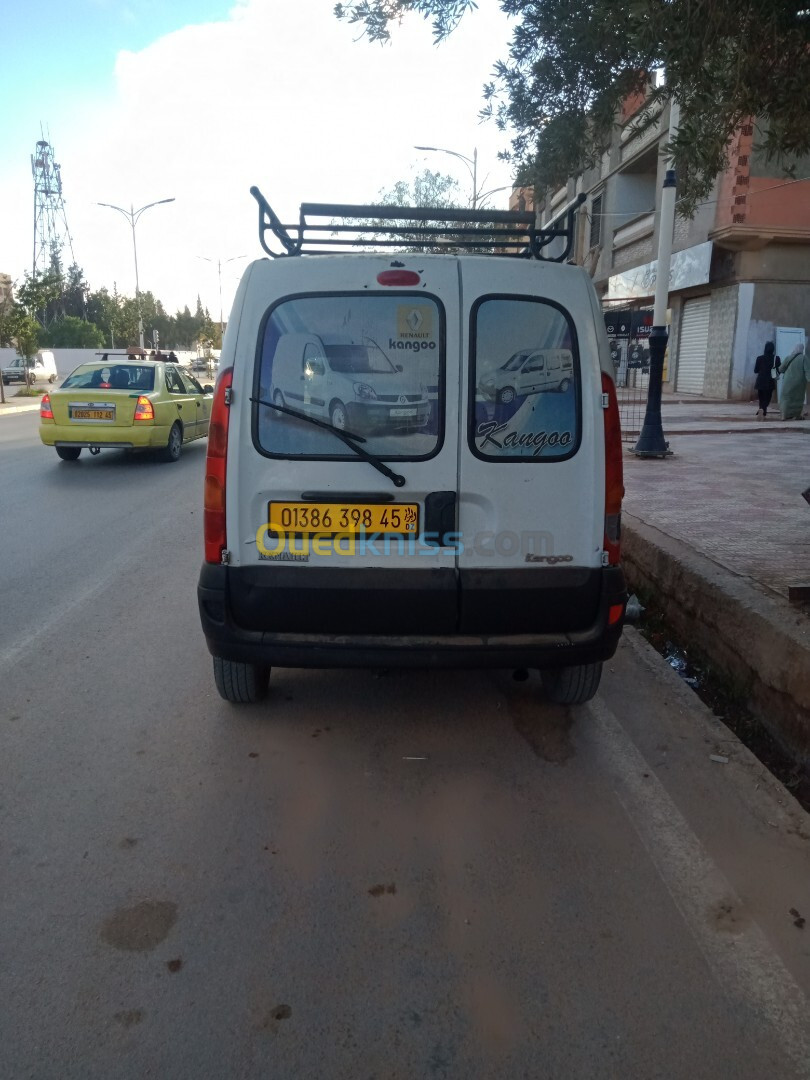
(686,268)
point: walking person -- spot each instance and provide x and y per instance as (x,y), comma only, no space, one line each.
(793,389)
(765,382)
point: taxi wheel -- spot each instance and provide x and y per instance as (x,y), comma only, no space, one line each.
(506,396)
(571,685)
(564,385)
(241,684)
(68,453)
(171,451)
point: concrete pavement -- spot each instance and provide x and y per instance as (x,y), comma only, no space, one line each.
(719,533)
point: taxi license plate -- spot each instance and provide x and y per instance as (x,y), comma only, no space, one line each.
(85,413)
(320,519)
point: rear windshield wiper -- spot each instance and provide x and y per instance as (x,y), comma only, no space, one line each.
(349,438)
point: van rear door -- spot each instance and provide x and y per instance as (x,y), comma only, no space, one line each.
(531,469)
(319,540)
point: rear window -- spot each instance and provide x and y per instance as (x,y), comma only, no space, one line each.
(524,385)
(111,377)
(370,365)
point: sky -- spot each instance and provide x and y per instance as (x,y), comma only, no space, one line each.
(144,100)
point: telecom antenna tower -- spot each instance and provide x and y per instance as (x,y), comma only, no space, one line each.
(51,230)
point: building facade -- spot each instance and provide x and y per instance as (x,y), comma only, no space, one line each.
(740,270)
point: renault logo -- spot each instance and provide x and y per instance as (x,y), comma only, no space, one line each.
(402,398)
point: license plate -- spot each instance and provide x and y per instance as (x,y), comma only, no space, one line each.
(89,412)
(320,519)
(403,412)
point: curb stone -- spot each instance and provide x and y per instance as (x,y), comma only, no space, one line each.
(756,640)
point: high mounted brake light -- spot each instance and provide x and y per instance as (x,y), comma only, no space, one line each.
(45,410)
(398,277)
(614,480)
(215,468)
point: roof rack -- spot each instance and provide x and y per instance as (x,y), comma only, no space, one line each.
(326,228)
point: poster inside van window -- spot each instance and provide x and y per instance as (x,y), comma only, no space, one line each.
(526,381)
(366,365)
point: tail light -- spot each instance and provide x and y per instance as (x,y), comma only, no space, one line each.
(45,410)
(144,409)
(215,465)
(614,481)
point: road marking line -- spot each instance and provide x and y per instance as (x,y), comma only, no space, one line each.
(743,963)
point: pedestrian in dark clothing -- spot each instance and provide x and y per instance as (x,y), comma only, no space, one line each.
(765,383)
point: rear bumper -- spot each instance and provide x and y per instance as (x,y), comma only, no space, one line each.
(587,640)
(123,438)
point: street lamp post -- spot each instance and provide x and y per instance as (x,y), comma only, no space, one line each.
(233,258)
(132,215)
(472,167)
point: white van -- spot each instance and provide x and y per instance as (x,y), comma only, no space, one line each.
(488,538)
(529,371)
(351,383)
(41,367)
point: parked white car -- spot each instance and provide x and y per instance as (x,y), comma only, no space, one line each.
(41,367)
(529,371)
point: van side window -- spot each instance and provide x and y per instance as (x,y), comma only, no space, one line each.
(371,365)
(524,381)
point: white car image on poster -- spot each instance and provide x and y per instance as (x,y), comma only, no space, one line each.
(526,378)
(368,365)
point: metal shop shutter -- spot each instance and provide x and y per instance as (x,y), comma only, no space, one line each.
(692,345)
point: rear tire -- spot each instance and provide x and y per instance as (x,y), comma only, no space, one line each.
(571,685)
(240,684)
(171,451)
(564,385)
(68,453)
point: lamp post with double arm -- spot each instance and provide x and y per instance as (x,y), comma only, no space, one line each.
(220,263)
(132,215)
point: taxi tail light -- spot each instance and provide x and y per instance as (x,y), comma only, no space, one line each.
(614,480)
(45,410)
(216,462)
(144,409)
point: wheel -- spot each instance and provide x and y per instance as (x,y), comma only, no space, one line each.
(278,398)
(68,453)
(571,685)
(6,381)
(51,378)
(564,385)
(506,396)
(337,415)
(171,451)
(241,684)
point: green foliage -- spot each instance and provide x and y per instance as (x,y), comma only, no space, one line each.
(60,311)
(19,329)
(72,333)
(570,66)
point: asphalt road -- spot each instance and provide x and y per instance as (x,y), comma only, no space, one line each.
(389,876)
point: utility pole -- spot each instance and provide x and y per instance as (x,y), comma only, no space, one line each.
(651,441)
(132,215)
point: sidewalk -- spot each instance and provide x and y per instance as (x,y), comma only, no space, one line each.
(17,405)
(718,532)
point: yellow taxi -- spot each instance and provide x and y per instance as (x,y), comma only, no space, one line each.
(125,402)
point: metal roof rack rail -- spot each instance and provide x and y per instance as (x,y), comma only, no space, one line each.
(339,226)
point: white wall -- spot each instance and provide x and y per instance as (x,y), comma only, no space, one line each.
(68,359)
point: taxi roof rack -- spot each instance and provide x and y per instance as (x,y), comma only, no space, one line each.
(413,228)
